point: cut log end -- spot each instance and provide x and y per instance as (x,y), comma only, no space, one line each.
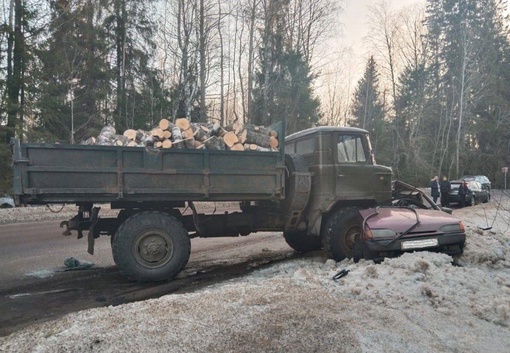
(166,144)
(237,147)
(130,134)
(158,133)
(182,123)
(273,142)
(164,124)
(230,139)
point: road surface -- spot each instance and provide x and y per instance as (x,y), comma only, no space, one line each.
(35,286)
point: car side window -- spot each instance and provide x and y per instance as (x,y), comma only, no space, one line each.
(350,149)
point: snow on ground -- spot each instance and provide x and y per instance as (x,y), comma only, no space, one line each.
(418,302)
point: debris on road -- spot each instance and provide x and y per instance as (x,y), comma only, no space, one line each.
(74,264)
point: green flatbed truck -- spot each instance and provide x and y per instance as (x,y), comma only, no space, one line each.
(310,190)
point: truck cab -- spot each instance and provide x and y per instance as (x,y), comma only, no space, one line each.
(343,171)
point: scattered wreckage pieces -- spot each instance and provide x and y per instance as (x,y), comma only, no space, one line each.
(184,134)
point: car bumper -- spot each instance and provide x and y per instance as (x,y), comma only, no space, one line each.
(450,244)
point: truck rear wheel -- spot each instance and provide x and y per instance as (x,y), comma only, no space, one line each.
(151,246)
(301,242)
(340,233)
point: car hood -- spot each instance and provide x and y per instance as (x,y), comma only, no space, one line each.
(401,219)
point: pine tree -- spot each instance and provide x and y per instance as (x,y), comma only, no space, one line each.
(367,110)
(131,31)
(73,75)
(17,59)
(283,87)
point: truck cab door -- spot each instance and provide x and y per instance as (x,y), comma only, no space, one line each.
(353,166)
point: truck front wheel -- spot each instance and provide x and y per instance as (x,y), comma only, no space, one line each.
(301,242)
(340,233)
(151,247)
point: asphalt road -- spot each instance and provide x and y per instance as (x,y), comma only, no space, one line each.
(35,286)
(39,250)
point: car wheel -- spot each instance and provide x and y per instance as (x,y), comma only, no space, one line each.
(340,232)
(472,200)
(301,242)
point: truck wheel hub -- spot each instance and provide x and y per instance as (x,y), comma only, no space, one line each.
(153,249)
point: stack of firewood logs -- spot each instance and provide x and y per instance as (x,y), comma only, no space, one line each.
(185,134)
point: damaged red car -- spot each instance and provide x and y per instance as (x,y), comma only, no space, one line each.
(412,223)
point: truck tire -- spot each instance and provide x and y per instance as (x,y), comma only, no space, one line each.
(340,232)
(151,247)
(301,242)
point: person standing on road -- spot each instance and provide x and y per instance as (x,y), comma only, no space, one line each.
(463,192)
(445,187)
(434,188)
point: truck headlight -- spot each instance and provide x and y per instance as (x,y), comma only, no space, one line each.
(453,228)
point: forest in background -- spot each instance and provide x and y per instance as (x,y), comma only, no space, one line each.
(435,92)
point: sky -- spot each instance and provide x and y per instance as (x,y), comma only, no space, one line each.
(354,22)
(344,56)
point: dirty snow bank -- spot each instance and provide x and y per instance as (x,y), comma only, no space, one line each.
(418,302)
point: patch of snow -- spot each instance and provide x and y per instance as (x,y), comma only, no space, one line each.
(42,273)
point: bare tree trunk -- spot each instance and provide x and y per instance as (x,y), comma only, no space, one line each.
(250,62)
(239,59)
(202,44)
(222,67)
(187,70)
(15,44)
(11,111)
(120,34)
(461,111)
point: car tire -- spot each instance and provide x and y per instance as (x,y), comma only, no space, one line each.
(340,232)
(301,242)
(151,247)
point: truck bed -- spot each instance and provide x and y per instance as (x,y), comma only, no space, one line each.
(58,173)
